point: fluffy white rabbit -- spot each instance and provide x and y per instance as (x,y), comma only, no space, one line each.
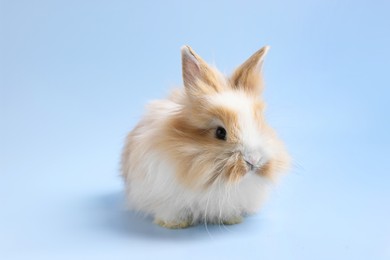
(204,154)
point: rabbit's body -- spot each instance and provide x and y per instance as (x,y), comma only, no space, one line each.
(203,154)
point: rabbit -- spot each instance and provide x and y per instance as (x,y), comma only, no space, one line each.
(205,154)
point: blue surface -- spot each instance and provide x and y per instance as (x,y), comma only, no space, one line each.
(75,75)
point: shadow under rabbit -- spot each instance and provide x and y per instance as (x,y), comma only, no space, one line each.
(111,215)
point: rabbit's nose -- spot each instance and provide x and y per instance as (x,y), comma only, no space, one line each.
(253,160)
(250,166)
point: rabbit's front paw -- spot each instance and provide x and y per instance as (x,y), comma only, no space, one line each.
(233,220)
(173,224)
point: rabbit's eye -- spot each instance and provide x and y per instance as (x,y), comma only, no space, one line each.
(220,133)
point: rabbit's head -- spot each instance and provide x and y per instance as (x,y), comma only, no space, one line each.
(220,133)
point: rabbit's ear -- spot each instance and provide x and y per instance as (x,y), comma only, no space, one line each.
(198,77)
(248,75)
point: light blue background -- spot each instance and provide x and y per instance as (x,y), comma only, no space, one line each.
(75,75)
